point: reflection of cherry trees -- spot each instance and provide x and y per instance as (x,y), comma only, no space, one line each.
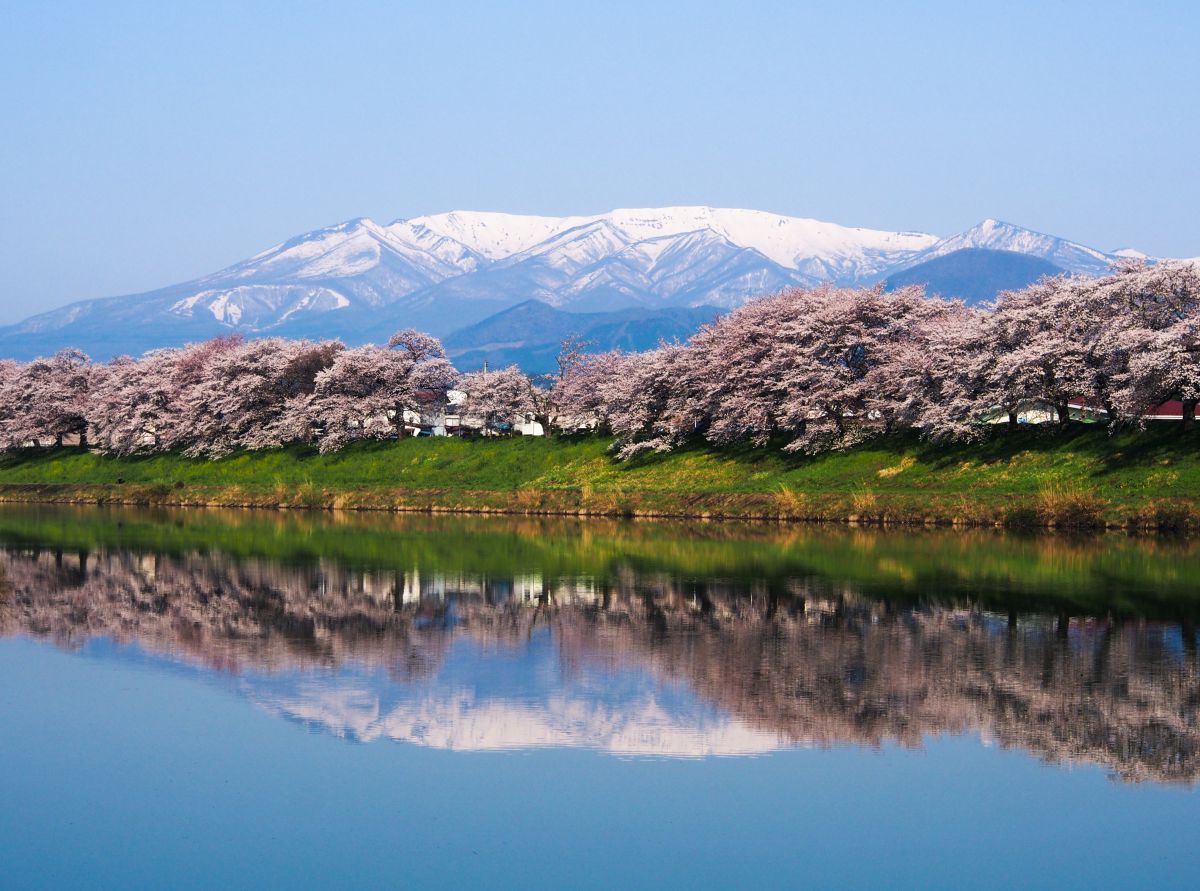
(834,670)
(813,663)
(231,616)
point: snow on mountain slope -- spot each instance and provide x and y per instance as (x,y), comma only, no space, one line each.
(700,267)
(791,242)
(491,235)
(660,256)
(257,306)
(354,248)
(575,249)
(996,235)
(787,241)
(606,264)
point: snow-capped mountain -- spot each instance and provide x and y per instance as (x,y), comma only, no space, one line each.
(679,256)
(995,235)
(360,280)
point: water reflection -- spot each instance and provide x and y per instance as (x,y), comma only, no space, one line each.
(642,640)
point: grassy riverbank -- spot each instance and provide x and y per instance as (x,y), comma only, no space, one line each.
(1027,477)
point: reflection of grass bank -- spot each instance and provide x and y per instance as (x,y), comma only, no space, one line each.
(1026,477)
(1080,574)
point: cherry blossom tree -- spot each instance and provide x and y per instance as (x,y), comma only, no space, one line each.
(585,390)
(496,398)
(418,346)
(1158,338)
(1055,341)
(544,389)
(943,370)
(645,408)
(1102,340)
(431,381)
(817,366)
(230,399)
(130,406)
(418,377)
(10,370)
(190,377)
(46,400)
(1164,365)
(292,389)
(365,392)
(249,395)
(352,397)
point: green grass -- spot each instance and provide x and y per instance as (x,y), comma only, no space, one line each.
(1023,477)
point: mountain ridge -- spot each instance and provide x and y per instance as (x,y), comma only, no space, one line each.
(359,280)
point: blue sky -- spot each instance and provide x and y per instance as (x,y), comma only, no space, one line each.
(145,144)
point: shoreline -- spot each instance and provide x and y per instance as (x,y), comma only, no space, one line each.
(1155,515)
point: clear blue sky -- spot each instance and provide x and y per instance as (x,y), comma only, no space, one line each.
(144,144)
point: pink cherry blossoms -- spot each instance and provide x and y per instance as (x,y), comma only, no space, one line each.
(826,368)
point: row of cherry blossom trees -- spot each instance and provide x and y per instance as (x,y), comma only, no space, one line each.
(225,394)
(819,369)
(827,368)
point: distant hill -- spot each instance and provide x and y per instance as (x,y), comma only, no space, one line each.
(530,333)
(974,274)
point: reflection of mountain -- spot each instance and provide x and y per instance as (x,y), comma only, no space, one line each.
(467,708)
(636,661)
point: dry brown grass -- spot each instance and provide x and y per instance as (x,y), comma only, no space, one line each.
(1070,505)
(792,503)
(865,503)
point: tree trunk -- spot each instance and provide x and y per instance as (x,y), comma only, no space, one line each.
(1187,629)
(58,440)
(1110,411)
(1064,413)
(83,439)
(1189,414)
(1012,418)
(1062,628)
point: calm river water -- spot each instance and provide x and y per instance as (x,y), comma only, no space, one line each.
(209,699)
